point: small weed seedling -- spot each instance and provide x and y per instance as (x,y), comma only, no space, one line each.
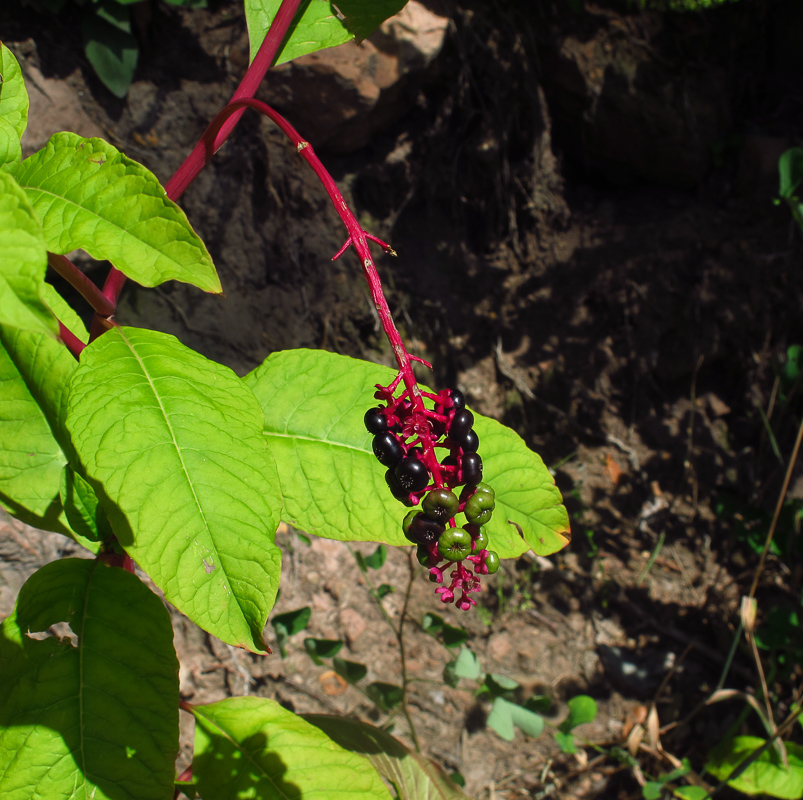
(147,453)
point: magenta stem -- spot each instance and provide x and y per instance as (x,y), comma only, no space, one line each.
(358,239)
(87,289)
(73,343)
(196,160)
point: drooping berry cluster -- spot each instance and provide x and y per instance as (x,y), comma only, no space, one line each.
(406,435)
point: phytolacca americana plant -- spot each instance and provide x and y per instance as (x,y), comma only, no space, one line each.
(406,441)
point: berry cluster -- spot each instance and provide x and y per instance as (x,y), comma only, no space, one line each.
(406,435)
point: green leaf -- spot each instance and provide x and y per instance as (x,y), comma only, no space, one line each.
(466,665)
(110,47)
(500,685)
(249,747)
(95,713)
(377,558)
(413,776)
(319,649)
(288,624)
(790,172)
(500,719)
(505,715)
(582,709)
(528,722)
(88,195)
(351,671)
(82,507)
(652,790)
(690,792)
(566,742)
(64,313)
(319,26)
(383,590)
(293,622)
(432,624)
(35,371)
(386,695)
(10,147)
(765,775)
(172,442)
(314,404)
(13,94)
(23,261)
(794,362)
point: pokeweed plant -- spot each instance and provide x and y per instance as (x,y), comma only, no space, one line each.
(147,453)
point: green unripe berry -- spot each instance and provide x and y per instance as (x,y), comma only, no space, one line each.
(492,562)
(480,488)
(440,504)
(479,508)
(455,544)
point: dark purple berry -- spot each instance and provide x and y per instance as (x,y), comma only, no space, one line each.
(470,442)
(395,488)
(461,424)
(471,464)
(420,529)
(411,474)
(376,421)
(458,399)
(440,505)
(387,449)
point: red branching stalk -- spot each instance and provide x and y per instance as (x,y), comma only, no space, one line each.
(358,239)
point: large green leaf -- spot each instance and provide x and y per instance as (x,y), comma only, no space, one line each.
(35,371)
(23,261)
(13,95)
(89,195)
(413,776)
(190,487)
(320,25)
(765,775)
(249,747)
(314,404)
(93,714)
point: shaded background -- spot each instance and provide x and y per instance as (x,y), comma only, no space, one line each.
(582,206)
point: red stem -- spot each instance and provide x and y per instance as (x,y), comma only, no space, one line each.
(61,264)
(73,343)
(358,238)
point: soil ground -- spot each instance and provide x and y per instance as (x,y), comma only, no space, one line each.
(632,333)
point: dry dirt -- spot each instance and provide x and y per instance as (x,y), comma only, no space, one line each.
(629,331)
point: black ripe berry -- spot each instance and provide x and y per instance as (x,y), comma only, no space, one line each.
(411,474)
(472,468)
(420,529)
(387,449)
(461,424)
(395,488)
(376,420)
(458,399)
(470,442)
